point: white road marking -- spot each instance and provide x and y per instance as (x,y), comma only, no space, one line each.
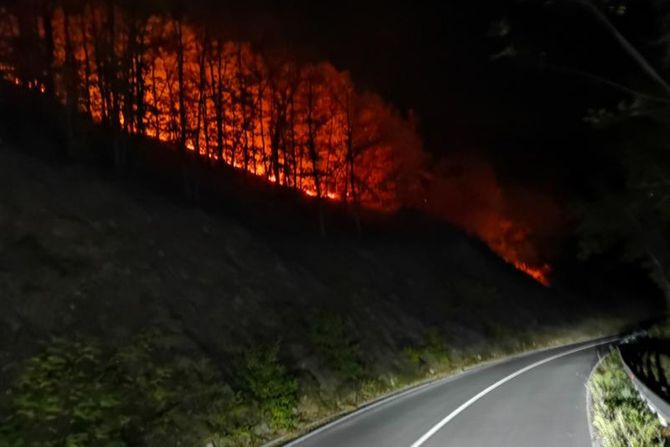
(365,409)
(589,418)
(484,392)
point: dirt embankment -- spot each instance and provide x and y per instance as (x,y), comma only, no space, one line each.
(84,256)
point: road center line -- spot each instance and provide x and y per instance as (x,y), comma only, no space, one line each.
(484,392)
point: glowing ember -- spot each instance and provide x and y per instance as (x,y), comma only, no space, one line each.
(539,274)
(508,240)
(466,192)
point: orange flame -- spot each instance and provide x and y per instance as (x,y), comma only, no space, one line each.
(302,127)
(294,124)
(466,192)
(538,273)
(507,244)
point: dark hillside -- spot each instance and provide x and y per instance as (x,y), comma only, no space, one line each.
(348,316)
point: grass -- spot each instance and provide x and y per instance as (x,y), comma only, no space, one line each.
(430,356)
(336,348)
(620,417)
(271,386)
(149,392)
(158,390)
(659,365)
(433,358)
(394,322)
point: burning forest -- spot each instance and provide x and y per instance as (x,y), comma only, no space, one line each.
(303,126)
(300,126)
(223,223)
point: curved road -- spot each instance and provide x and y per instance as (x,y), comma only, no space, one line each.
(537,399)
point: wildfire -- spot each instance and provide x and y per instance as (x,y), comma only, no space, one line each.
(510,240)
(538,273)
(465,190)
(509,251)
(328,195)
(301,126)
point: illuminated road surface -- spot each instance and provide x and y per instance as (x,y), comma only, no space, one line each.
(535,400)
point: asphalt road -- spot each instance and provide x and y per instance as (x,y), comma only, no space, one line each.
(534,400)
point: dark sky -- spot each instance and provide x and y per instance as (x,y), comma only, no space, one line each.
(435,58)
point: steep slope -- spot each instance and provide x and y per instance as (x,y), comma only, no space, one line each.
(347,317)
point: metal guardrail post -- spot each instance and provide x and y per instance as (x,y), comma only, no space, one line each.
(656,403)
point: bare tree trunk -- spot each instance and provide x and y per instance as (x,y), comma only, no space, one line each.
(112,68)
(87,63)
(294,155)
(313,152)
(242,83)
(48,78)
(181,86)
(217,90)
(139,78)
(154,94)
(311,138)
(219,106)
(173,126)
(202,99)
(277,128)
(101,69)
(351,157)
(128,78)
(262,128)
(71,85)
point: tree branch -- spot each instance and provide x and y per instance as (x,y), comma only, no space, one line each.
(608,82)
(625,43)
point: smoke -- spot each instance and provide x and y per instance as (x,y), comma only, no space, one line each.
(519,224)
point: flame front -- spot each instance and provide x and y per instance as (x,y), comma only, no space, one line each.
(467,192)
(508,240)
(301,126)
(538,273)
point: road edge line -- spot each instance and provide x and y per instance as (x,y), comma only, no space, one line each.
(331,421)
(437,427)
(589,402)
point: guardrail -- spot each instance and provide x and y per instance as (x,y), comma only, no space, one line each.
(644,364)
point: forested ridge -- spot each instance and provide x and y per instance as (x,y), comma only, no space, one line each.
(149,70)
(144,71)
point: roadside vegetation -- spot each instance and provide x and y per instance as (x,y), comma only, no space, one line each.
(620,417)
(114,332)
(158,389)
(79,393)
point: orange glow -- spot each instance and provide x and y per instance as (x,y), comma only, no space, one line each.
(303,127)
(466,192)
(296,126)
(538,273)
(510,241)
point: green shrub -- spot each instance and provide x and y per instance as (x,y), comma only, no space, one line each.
(337,347)
(430,355)
(661,330)
(147,393)
(620,417)
(375,387)
(270,384)
(63,398)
